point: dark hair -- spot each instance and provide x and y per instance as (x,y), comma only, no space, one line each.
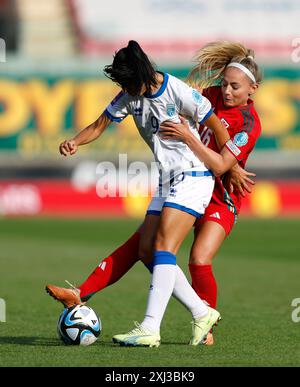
(131,69)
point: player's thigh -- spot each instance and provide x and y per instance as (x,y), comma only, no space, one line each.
(174,226)
(208,238)
(148,232)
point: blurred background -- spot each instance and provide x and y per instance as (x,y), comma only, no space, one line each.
(54,226)
(52,85)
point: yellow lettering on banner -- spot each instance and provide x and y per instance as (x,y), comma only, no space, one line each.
(16,111)
(32,144)
(50,103)
(265,200)
(92,97)
(275,107)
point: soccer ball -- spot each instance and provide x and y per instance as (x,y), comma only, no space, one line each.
(79,325)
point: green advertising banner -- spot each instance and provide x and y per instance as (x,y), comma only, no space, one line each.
(36,113)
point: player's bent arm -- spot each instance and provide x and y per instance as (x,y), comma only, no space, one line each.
(87,135)
(93,131)
(219,163)
(221,134)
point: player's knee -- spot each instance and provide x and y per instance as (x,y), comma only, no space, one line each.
(162,243)
(197,259)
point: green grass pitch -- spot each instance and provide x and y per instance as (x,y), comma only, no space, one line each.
(257,271)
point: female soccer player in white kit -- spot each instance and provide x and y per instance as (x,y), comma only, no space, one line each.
(185,186)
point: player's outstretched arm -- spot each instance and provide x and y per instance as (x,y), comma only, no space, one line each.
(87,135)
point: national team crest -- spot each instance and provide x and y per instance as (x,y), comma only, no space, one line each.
(196,96)
(170,109)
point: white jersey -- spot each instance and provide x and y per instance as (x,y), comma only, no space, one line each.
(173,98)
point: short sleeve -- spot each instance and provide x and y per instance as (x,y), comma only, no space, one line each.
(117,110)
(241,144)
(195,105)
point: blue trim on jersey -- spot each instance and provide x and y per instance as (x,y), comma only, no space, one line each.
(161,89)
(198,173)
(164,258)
(153,212)
(183,208)
(111,117)
(206,116)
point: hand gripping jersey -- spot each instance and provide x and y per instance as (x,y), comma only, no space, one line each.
(243,125)
(173,98)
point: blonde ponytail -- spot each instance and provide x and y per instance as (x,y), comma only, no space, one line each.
(213,58)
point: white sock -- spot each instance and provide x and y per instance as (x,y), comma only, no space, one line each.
(184,293)
(161,288)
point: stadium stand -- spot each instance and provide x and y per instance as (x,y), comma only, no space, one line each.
(46,29)
(9,24)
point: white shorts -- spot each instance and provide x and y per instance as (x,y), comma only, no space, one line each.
(189,191)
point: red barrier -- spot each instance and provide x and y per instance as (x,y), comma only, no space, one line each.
(60,197)
(273,198)
(54,197)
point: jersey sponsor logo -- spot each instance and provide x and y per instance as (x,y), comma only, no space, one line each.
(197,97)
(240,139)
(173,192)
(225,123)
(233,148)
(138,111)
(170,109)
(215,215)
(102,265)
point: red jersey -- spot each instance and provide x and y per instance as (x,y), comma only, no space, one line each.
(244,128)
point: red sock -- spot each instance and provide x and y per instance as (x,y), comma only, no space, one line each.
(112,268)
(204,283)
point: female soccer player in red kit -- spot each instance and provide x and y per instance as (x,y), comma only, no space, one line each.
(232,65)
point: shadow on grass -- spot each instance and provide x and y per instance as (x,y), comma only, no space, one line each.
(33,341)
(46,342)
(53,342)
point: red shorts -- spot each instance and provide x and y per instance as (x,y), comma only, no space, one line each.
(220,214)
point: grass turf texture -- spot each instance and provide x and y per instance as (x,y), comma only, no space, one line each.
(258,276)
